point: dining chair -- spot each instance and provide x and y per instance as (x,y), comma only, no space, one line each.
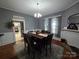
(34,46)
(26,41)
(44,31)
(48,41)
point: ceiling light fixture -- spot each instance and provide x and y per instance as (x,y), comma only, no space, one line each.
(37,14)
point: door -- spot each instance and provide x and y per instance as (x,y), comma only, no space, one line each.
(18,30)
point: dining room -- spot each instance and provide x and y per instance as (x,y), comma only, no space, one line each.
(39,29)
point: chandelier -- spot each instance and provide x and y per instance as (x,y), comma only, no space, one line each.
(37,14)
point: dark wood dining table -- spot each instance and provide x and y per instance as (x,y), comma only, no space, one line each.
(39,38)
(38,35)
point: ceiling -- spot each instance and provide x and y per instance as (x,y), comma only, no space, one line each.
(46,7)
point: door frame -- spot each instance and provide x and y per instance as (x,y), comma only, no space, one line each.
(19,20)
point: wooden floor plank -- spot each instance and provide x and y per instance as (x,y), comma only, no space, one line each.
(7,52)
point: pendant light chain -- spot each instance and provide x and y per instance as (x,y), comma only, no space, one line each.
(37,14)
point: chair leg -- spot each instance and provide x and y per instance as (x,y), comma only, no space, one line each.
(46,50)
(25,44)
(50,48)
(25,47)
(28,50)
(33,54)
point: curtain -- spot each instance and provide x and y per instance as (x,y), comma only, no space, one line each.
(53,25)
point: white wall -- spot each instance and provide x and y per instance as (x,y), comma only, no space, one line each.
(72,10)
(71,37)
(7,38)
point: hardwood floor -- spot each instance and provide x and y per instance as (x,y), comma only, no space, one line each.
(7,52)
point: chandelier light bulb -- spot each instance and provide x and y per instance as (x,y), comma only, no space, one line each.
(37,15)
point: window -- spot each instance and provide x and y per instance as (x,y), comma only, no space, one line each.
(46,24)
(54,25)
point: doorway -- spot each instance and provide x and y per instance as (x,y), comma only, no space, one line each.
(18,30)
